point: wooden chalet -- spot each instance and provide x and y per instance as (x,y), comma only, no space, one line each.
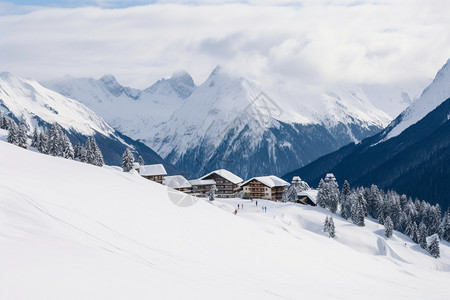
(201,186)
(265,187)
(307,197)
(179,183)
(153,172)
(227,183)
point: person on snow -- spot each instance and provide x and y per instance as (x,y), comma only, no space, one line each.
(256,202)
(235,211)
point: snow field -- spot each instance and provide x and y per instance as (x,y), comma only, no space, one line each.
(70,230)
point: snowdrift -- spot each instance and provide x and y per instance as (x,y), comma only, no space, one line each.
(69,230)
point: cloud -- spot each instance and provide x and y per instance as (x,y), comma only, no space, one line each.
(290,44)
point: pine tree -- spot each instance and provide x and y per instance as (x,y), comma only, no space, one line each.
(433,249)
(445,226)
(35,138)
(22,139)
(127,160)
(389,226)
(409,228)
(13,133)
(68,151)
(326,225)
(332,228)
(422,234)
(345,200)
(321,194)
(1,119)
(4,122)
(141,161)
(43,143)
(415,233)
(333,197)
(55,140)
(358,210)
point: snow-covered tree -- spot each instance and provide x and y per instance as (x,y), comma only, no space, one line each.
(141,161)
(433,249)
(4,122)
(13,133)
(68,151)
(35,138)
(93,154)
(346,204)
(388,227)
(321,194)
(445,226)
(43,143)
(127,160)
(358,210)
(212,193)
(55,140)
(22,138)
(415,233)
(422,235)
(329,227)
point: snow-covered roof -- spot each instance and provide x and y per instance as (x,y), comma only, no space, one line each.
(311,194)
(227,175)
(269,181)
(176,182)
(136,165)
(202,182)
(152,170)
(296,179)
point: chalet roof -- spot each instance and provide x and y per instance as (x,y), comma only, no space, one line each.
(227,175)
(177,182)
(269,181)
(198,182)
(311,194)
(136,165)
(152,170)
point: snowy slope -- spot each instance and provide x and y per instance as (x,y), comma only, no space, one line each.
(436,93)
(101,233)
(30,102)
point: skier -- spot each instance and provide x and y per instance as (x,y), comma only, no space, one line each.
(235,211)
(256,202)
(238,206)
(265,208)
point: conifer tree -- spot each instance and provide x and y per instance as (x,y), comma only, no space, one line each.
(68,151)
(345,200)
(445,226)
(358,210)
(422,235)
(389,226)
(22,139)
(321,194)
(13,133)
(141,161)
(415,233)
(43,143)
(127,160)
(35,138)
(433,249)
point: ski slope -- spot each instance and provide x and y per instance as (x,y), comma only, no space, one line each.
(69,230)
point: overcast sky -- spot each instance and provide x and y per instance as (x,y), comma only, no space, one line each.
(286,43)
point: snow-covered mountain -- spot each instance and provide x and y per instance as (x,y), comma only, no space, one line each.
(229,122)
(436,93)
(26,101)
(411,155)
(131,111)
(100,233)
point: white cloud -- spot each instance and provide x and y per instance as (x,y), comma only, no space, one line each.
(292,44)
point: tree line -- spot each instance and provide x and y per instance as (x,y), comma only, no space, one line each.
(417,219)
(52,142)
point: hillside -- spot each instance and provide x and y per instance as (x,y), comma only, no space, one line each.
(410,156)
(26,101)
(75,231)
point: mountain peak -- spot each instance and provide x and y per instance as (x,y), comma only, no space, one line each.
(217,70)
(110,82)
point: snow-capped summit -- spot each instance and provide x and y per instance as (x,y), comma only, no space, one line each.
(436,93)
(34,104)
(181,84)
